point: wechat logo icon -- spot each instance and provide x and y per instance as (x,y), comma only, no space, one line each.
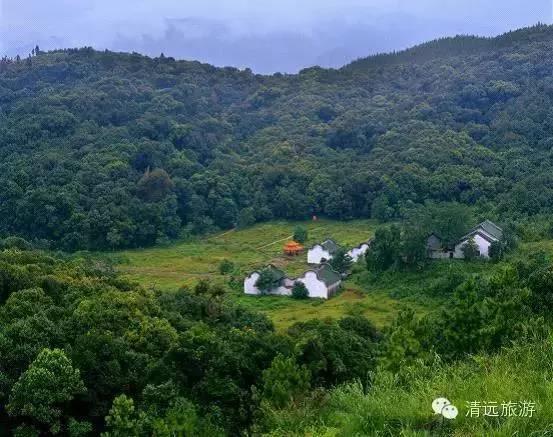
(445,408)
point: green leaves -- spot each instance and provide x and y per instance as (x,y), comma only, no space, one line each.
(42,390)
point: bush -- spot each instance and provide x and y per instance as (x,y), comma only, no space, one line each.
(300,291)
(300,234)
(470,250)
(226,267)
(16,243)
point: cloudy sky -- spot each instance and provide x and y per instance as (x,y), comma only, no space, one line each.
(265,35)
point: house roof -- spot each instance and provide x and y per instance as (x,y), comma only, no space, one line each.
(487,230)
(330,246)
(277,274)
(328,275)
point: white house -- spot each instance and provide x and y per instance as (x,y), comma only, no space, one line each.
(359,251)
(281,285)
(483,235)
(322,282)
(320,253)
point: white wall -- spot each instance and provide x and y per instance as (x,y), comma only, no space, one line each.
(357,252)
(284,290)
(316,287)
(483,247)
(249,284)
(316,254)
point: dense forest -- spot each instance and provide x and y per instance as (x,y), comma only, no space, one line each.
(102,150)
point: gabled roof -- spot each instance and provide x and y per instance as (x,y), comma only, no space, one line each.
(492,229)
(328,275)
(330,246)
(487,230)
(277,274)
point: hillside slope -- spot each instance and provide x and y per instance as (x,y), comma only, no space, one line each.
(104,150)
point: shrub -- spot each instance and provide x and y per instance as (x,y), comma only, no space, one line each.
(226,267)
(300,234)
(300,291)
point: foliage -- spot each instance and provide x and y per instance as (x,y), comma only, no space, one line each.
(225,267)
(300,291)
(266,280)
(41,391)
(300,234)
(103,150)
(470,250)
(341,261)
(284,382)
(384,252)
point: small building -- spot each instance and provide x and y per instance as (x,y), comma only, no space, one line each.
(292,248)
(359,251)
(484,234)
(436,248)
(280,285)
(319,253)
(322,282)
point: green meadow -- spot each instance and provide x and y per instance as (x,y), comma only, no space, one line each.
(184,263)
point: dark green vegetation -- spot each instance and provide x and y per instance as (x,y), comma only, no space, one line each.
(104,150)
(82,349)
(85,351)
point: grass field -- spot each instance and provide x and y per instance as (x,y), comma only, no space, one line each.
(184,263)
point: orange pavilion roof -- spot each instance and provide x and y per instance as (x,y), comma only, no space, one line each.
(293,245)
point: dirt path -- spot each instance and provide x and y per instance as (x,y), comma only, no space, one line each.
(284,239)
(221,235)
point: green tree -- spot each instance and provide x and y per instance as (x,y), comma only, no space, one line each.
(470,250)
(385,250)
(246,218)
(300,291)
(266,280)
(413,247)
(123,419)
(284,382)
(341,261)
(226,267)
(300,234)
(45,387)
(495,251)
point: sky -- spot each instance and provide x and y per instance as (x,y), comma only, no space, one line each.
(264,35)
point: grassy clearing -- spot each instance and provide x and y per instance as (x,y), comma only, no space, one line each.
(377,297)
(184,263)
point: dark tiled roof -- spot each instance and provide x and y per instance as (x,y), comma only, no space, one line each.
(330,246)
(277,274)
(492,229)
(328,275)
(486,229)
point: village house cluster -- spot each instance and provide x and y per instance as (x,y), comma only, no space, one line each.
(321,281)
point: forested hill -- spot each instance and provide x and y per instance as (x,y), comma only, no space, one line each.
(106,150)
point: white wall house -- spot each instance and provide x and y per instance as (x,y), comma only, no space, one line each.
(322,283)
(483,235)
(358,251)
(320,253)
(282,284)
